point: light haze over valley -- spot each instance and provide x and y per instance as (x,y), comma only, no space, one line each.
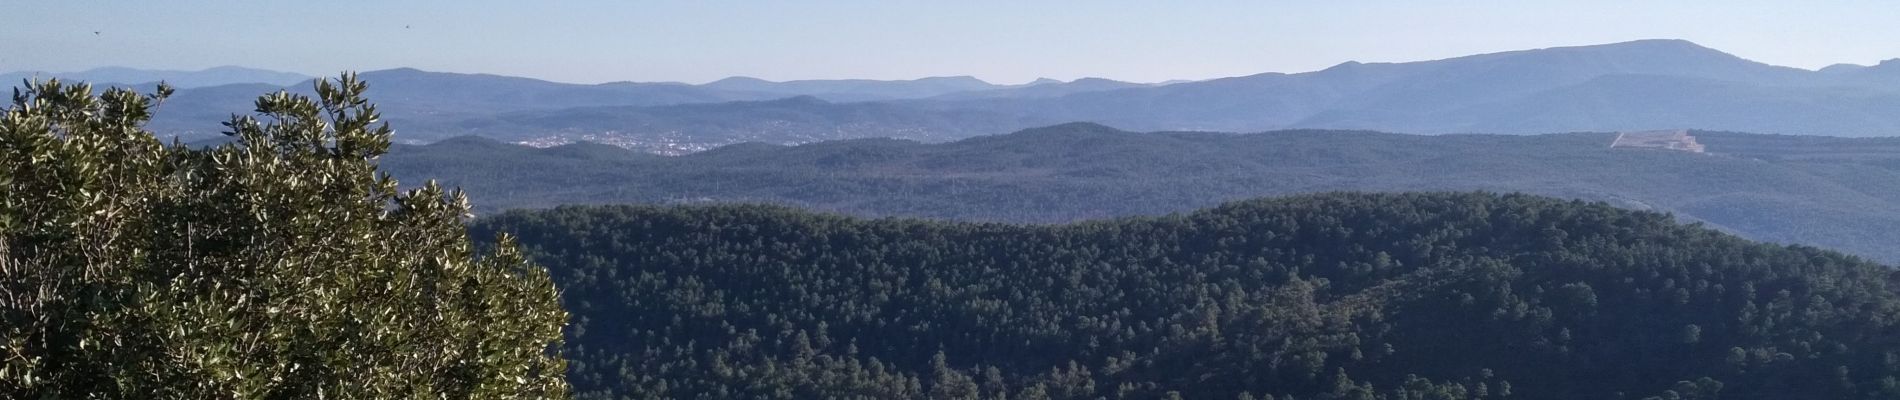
(1375,200)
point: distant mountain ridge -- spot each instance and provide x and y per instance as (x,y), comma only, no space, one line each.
(855,89)
(215,76)
(1841,193)
(426,106)
(1442,96)
(792,120)
(1646,84)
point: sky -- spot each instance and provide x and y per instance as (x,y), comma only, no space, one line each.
(998,41)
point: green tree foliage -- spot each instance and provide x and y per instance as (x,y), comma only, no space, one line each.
(282,266)
(1334,296)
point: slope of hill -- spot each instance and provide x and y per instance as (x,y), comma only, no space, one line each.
(1335,296)
(1832,192)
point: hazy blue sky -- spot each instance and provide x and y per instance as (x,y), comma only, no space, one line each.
(1000,41)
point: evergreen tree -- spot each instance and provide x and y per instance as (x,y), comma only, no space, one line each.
(281,266)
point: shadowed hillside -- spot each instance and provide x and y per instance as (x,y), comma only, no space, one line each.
(1831,192)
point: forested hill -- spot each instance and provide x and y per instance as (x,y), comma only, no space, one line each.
(1832,192)
(1331,296)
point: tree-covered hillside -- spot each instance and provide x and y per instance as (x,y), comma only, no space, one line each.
(1332,296)
(1833,192)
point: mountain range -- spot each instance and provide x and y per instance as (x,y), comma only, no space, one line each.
(1839,193)
(1647,84)
(1651,84)
(121,76)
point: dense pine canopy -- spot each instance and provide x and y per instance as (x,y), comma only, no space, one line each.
(1333,296)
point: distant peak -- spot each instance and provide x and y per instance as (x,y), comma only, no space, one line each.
(1679,44)
(958,78)
(1841,68)
(398,70)
(1042,81)
(739,79)
(1659,42)
(1646,46)
(1676,45)
(1345,66)
(1885,67)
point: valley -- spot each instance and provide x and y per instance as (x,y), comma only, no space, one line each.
(1836,193)
(870,200)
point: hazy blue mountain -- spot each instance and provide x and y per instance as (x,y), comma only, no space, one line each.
(425,104)
(1841,193)
(423,91)
(1648,84)
(196,114)
(856,89)
(1404,97)
(684,128)
(1841,68)
(216,76)
(1636,102)
(1418,92)
(1044,88)
(431,105)
(1885,75)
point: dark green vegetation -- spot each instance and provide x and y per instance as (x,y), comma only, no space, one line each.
(1334,296)
(1832,192)
(283,266)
